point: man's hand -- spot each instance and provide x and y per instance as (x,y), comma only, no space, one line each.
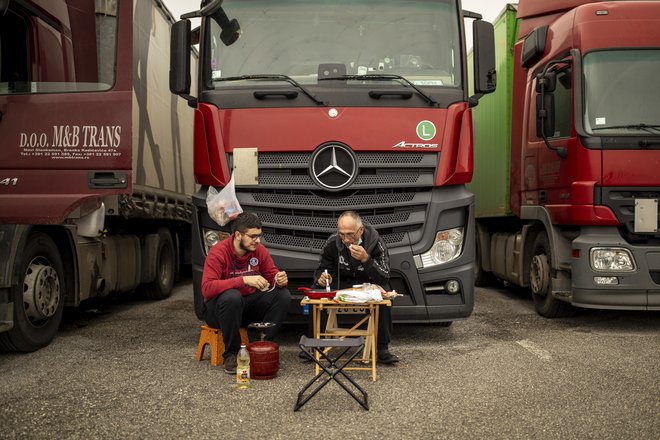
(325,277)
(281,279)
(358,253)
(256,281)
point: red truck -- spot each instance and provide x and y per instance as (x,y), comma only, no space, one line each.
(321,107)
(95,163)
(567,152)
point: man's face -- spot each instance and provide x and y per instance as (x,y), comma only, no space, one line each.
(249,239)
(348,231)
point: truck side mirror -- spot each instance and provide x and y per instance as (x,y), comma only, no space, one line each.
(546,83)
(533,46)
(230,32)
(180,58)
(485,77)
(545,115)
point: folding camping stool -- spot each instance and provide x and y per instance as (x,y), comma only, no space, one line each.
(311,346)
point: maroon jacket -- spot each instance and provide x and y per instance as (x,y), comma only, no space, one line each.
(225,270)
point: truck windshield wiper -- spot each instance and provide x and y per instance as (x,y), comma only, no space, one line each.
(286,78)
(646,127)
(376,77)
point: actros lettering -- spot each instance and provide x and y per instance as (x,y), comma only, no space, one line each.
(404,144)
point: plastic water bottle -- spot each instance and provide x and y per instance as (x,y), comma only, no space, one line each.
(243,369)
(306,309)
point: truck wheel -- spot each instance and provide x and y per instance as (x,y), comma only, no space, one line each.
(38,297)
(540,280)
(161,287)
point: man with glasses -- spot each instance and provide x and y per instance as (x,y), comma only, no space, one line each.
(241,285)
(355,255)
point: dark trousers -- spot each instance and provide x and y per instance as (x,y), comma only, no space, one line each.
(230,311)
(384,328)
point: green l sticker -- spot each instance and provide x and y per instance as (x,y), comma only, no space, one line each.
(426,130)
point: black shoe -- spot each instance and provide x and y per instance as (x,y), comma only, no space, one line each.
(231,363)
(385,357)
(304,357)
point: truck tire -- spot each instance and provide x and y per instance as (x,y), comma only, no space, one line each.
(38,296)
(540,281)
(161,287)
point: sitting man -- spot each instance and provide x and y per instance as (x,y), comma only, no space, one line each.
(241,285)
(354,255)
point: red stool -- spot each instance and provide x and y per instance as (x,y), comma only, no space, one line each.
(213,338)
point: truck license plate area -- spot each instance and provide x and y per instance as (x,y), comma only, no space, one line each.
(646,215)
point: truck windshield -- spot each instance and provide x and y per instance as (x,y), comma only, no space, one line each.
(309,39)
(621,94)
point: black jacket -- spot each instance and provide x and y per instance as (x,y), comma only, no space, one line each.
(337,256)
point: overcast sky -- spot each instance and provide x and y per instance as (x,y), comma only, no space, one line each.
(489,9)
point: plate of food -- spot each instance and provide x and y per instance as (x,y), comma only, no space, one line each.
(317,293)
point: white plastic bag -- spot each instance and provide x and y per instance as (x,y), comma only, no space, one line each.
(361,294)
(223,206)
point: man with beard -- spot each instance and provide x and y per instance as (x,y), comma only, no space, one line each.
(356,254)
(241,285)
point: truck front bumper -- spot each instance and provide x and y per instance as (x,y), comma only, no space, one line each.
(638,289)
(424,300)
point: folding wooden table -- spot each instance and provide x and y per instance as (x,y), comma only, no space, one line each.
(332,330)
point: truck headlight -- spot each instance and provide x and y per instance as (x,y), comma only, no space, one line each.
(612,260)
(211,238)
(447,247)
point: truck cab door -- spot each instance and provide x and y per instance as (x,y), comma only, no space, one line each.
(548,173)
(65,106)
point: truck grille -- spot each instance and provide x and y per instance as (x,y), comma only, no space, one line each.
(391,178)
(622,202)
(392,192)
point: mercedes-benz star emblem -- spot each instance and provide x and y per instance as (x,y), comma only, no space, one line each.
(334,166)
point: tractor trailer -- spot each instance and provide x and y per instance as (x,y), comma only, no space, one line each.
(317,107)
(95,160)
(567,153)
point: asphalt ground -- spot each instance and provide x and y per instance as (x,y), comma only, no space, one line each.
(123,368)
